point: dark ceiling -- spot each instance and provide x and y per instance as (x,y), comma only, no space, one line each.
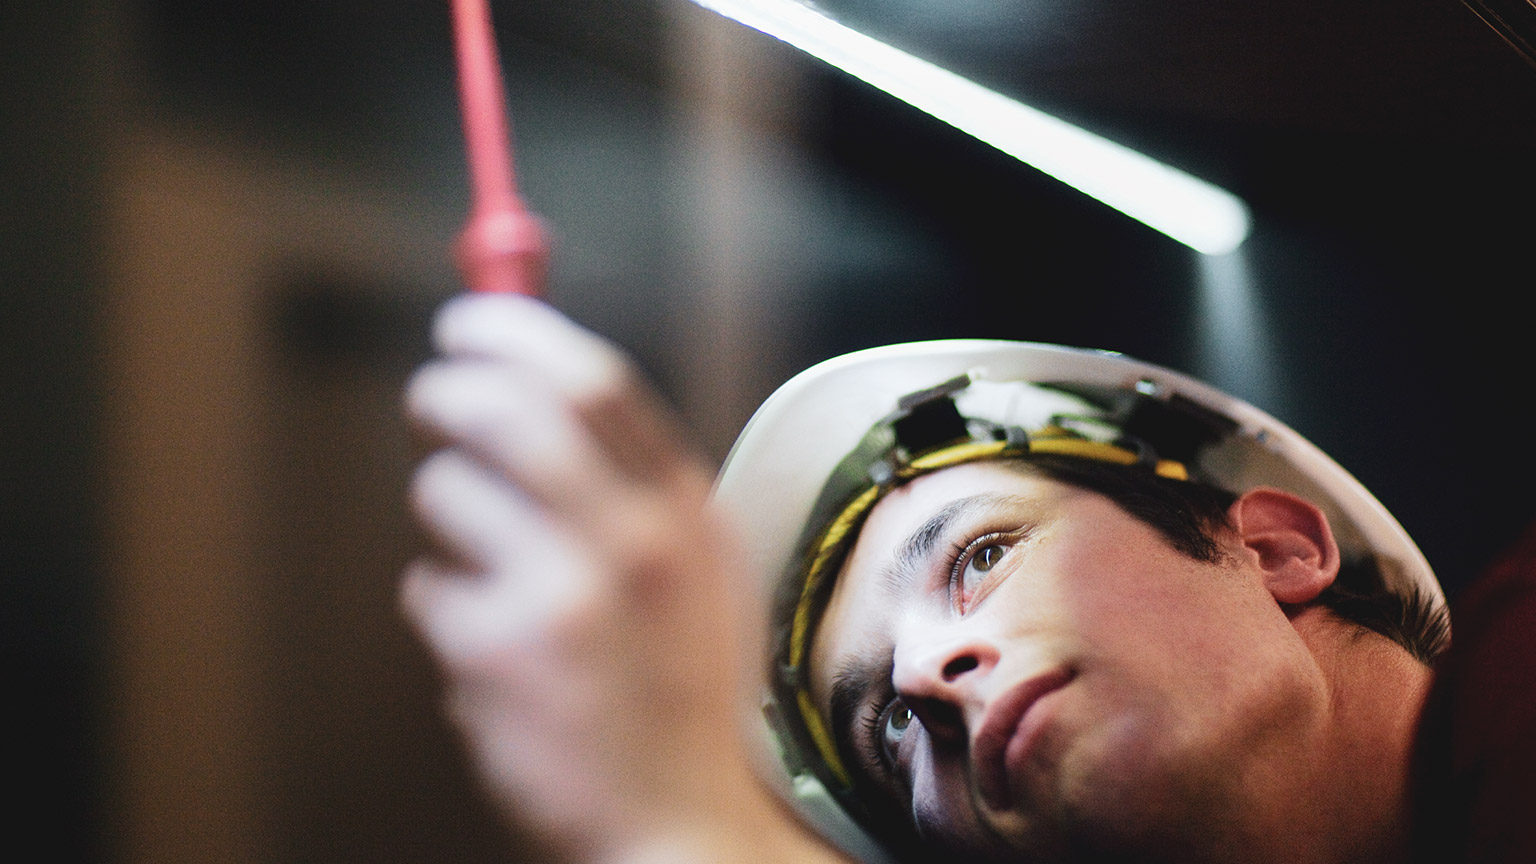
(1425,68)
(1368,65)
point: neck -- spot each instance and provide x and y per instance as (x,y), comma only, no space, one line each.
(1360,783)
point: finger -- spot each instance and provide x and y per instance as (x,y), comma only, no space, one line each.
(470,515)
(517,329)
(588,373)
(527,436)
(529,335)
(533,739)
(639,432)
(505,575)
(504,437)
(492,625)
(454,612)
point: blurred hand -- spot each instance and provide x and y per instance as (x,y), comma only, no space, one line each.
(582,599)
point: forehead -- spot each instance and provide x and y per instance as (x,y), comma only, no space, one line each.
(859,614)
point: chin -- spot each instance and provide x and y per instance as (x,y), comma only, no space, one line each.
(1121,792)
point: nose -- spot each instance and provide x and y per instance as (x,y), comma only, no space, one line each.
(941,677)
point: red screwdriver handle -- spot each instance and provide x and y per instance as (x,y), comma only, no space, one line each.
(503,247)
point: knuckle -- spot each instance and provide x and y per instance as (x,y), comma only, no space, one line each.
(459,323)
(605,383)
(572,622)
(431,487)
(480,660)
(427,391)
(655,541)
(416,396)
(466,401)
(410,596)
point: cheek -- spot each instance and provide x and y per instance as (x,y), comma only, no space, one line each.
(941,806)
(945,814)
(1156,734)
(1169,619)
(1112,756)
(1152,684)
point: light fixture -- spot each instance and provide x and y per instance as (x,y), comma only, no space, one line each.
(1201,215)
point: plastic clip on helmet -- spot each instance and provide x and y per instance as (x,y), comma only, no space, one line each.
(822,450)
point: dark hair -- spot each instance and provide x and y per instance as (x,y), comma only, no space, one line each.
(1190,515)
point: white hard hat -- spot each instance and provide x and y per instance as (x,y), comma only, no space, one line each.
(829,434)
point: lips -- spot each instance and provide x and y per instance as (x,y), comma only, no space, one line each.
(1005,735)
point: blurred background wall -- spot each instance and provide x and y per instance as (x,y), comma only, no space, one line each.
(223,230)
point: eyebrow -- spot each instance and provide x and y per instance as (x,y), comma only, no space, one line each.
(914,552)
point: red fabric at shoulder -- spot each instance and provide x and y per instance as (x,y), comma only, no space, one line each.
(1475,759)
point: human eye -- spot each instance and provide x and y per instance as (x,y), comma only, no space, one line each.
(974,562)
(885,727)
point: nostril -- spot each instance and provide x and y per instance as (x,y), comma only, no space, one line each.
(959,666)
(944,722)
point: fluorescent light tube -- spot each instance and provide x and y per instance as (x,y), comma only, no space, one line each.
(1201,215)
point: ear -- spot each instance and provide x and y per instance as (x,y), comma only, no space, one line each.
(1291,541)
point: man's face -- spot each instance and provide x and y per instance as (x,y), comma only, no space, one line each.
(1035,671)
